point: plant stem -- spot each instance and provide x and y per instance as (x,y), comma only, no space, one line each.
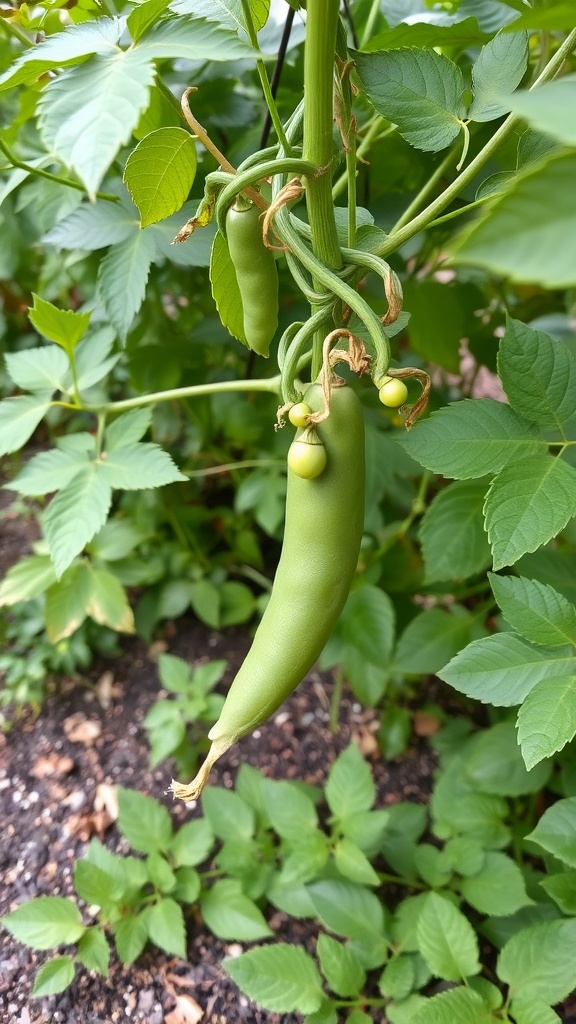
(399,236)
(16,31)
(373,134)
(264,81)
(16,162)
(321,24)
(370,22)
(228,467)
(336,699)
(270,384)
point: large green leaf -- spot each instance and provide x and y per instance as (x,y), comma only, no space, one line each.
(27,579)
(502,669)
(226,12)
(547,718)
(67,602)
(144,821)
(431,639)
(471,438)
(166,929)
(48,472)
(38,369)
(496,73)
(160,172)
(346,908)
(419,90)
(539,963)
(108,603)
(88,112)
(536,611)
(421,33)
(122,278)
(556,829)
(19,418)
(45,922)
(447,940)
(350,787)
(225,290)
(498,888)
(551,108)
(280,978)
(54,976)
(454,541)
(68,47)
(456,1006)
(135,467)
(194,39)
(77,512)
(493,763)
(538,374)
(343,972)
(232,915)
(94,226)
(518,236)
(63,326)
(528,503)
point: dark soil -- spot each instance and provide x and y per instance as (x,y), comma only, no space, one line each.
(54,774)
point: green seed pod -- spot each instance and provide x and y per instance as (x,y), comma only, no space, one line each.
(256,274)
(324,524)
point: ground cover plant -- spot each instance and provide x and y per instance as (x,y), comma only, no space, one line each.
(408,222)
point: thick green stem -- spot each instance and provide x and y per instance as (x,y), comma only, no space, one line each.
(321,24)
(264,80)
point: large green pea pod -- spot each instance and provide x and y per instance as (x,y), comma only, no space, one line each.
(256,274)
(324,523)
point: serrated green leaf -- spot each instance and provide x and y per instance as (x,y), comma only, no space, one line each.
(398,977)
(459,1004)
(77,512)
(496,73)
(107,602)
(419,90)
(27,579)
(232,915)
(367,623)
(129,428)
(145,822)
(130,936)
(538,374)
(67,602)
(350,787)
(92,359)
(420,33)
(63,48)
(454,541)
(229,816)
(62,326)
(280,978)
(135,467)
(562,888)
(142,18)
(291,812)
(353,864)
(502,669)
(493,763)
(471,438)
(48,472)
(122,278)
(160,172)
(535,610)
(227,12)
(93,884)
(188,885)
(528,1011)
(365,829)
(194,39)
(19,418)
(346,908)
(165,923)
(94,226)
(54,976)
(45,922)
(527,504)
(430,640)
(539,963)
(555,831)
(38,369)
(447,940)
(93,951)
(343,972)
(88,112)
(306,859)
(498,888)
(518,236)
(550,108)
(225,290)
(431,865)
(403,1012)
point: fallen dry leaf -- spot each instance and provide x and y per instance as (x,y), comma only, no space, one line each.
(186,1011)
(366,741)
(425,724)
(106,801)
(80,729)
(56,765)
(104,689)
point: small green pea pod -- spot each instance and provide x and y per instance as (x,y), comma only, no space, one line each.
(256,274)
(324,524)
